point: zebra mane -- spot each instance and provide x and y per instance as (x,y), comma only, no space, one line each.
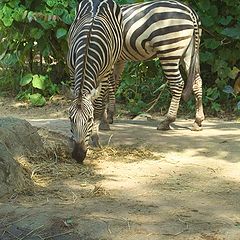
(95,6)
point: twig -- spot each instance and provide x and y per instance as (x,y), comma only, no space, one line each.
(57,235)
(128,222)
(42,167)
(3,233)
(108,228)
(110,138)
(155,102)
(32,231)
(74,196)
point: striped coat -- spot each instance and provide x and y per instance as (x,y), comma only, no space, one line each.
(95,43)
(170,31)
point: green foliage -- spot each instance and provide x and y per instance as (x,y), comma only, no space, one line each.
(35,88)
(33,38)
(142,83)
(33,50)
(230,91)
(219,55)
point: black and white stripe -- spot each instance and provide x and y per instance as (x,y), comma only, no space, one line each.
(95,43)
(168,30)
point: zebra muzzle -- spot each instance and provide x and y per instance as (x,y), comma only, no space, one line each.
(79,152)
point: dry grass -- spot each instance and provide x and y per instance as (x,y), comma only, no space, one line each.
(54,168)
(121,153)
(54,165)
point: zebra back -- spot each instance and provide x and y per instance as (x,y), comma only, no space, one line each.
(150,27)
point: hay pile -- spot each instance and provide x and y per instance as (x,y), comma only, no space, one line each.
(121,153)
(33,157)
(26,153)
(17,139)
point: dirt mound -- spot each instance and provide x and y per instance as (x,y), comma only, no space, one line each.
(21,147)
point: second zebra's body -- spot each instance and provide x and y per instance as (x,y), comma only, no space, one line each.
(95,43)
(167,30)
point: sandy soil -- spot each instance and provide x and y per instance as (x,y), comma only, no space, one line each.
(169,185)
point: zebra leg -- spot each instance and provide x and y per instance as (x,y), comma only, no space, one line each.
(197,85)
(176,87)
(114,82)
(109,96)
(104,124)
(100,114)
(111,99)
(197,90)
(95,136)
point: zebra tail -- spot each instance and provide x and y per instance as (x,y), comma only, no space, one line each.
(194,69)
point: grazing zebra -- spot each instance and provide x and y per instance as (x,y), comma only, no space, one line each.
(95,43)
(168,30)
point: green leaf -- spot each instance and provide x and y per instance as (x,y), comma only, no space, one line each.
(61,32)
(46,50)
(238,106)
(37,99)
(7,11)
(36,33)
(228,89)
(225,20)
(7,21)
(30,16)
(9,59)
(204,5)
(233,32)
(207,21)
(234,72)
(212,43)
(216,106)
(207,57)
(26,79)
(18,13)
(51,3)
(14,3)
(39,82)
(58,11)
(67,18)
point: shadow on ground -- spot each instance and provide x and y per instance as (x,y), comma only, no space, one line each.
(187,188)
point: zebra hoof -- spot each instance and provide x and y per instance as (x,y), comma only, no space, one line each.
(110,120)
(104,127)
(196,127)
(163,127)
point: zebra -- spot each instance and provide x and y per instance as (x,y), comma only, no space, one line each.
(170,31)
(95,43)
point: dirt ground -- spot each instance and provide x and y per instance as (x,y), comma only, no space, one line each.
(143,184)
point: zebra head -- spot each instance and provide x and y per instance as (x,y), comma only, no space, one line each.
(81,114)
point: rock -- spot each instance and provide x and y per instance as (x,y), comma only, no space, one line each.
(18,139)
(21,146)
